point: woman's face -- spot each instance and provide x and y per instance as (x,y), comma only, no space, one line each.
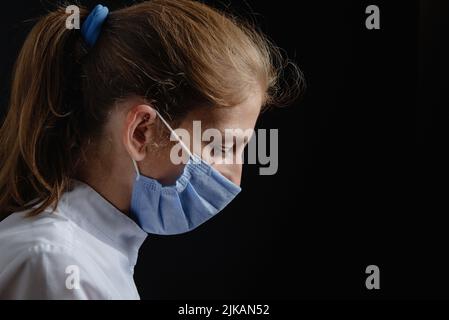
(226,130)
(225,133)
(132,134)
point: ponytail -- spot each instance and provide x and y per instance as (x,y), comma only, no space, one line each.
(38,140)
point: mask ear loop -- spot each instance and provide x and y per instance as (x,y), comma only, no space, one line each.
(192,156)
(136,168)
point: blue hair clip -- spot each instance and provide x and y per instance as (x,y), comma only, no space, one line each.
(92,26)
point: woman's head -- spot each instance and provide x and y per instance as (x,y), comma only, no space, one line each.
(76,110)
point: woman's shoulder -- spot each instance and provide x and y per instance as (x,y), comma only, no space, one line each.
(39,257)
(22,233)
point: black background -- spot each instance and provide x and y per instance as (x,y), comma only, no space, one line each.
(362,163)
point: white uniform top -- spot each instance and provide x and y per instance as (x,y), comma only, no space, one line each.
(86,249)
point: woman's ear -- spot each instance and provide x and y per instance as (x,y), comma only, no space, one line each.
(137,130)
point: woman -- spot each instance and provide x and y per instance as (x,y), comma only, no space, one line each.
(86,155)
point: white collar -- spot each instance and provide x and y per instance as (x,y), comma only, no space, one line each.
(93,213)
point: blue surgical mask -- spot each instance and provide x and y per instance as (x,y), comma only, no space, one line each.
(198,194)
